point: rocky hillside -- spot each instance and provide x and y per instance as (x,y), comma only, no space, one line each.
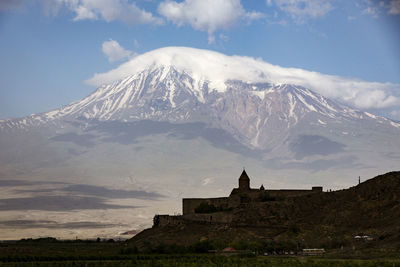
(329,219)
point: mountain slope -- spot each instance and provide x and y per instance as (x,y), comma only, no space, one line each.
(254,113)
(174,127)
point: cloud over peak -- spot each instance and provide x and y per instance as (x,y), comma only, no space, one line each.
(218,68)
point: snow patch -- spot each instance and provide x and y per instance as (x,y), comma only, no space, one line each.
(310,107)
(397,125)
(370,115)
(52,114)
(171,94)
(292,105)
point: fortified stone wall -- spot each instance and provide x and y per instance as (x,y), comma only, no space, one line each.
(190,204)
(284,193)
(163,220)
(216,217)
(239,197)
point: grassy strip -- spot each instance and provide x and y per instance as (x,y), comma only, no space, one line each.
(212,260)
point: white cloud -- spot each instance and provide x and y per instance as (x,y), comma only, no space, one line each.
(301,10)
(207,181)
(254,15)
(136,43)
(218,68)
(206,15)
(114,51)
(375,99)
(223,37)
(394,7)
(108,10)
(372,11)
(374,8)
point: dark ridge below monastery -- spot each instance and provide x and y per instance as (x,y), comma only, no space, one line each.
(303,218)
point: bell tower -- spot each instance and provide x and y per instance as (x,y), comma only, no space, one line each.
(244,181)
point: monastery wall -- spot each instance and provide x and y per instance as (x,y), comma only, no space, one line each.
(239,197)
(164,220)
(190,204)
(215,217)
(284,193)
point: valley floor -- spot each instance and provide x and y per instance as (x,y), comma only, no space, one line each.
(207,260)
(107,253)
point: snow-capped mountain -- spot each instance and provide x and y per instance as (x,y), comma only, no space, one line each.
(238,105)
(182,123)
(260,115)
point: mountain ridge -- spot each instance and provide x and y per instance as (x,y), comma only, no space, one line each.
(167,94)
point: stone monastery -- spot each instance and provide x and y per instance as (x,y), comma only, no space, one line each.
(219,210)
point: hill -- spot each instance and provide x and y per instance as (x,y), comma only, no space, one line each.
(366,216)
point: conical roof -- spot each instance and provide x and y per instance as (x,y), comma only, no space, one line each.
(244,176)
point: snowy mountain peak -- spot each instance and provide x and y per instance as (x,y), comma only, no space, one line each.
(199,64)
(189,85)
(168,93)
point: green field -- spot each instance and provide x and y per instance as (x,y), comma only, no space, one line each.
(208,260)
(51,252)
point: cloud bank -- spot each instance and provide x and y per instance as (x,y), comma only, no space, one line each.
(218,68)
(108,10)
(27,224)
(206,15)
(301,10)
(394,7)
(203,15)
(376,8)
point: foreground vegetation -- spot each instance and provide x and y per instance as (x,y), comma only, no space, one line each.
(210,260)
(51,252)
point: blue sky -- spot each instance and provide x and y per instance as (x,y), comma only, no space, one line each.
(49,48)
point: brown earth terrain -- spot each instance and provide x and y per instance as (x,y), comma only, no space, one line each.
(364,217)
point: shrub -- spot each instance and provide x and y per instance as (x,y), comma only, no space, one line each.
(294,228)
(204,207)
(201,247)
(129,250)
